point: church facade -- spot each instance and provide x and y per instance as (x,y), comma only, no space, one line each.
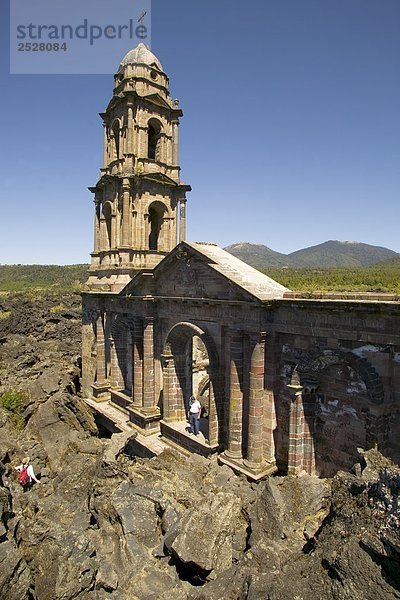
(286,382)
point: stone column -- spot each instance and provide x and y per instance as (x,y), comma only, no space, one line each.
(126,220)
(181,382)
(167,234)
(254,456)
(148,366)
(136,130)
(129,145)
(96,227)
(169,377)
(101,352)
(378,428)
(103,234)
(112,146)
(145,231)
(175,143)
(172,233)
(99,382)
(105,149)
(169,149)
(117,229)
(212,417)
(309,401)
(113,240)
(269,403)
(134,229)
(138,364)
(182,224)
(162,152)
(142,141)
(296,426)
(161,245)
(234,449)
(122,141)
(115,375)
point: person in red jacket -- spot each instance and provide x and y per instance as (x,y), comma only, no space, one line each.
(27,474)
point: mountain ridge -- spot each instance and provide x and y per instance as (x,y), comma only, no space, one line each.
(332,253)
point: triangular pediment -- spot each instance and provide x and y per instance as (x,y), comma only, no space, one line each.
(153,98)
(160,178)
(190,271)
(157,99)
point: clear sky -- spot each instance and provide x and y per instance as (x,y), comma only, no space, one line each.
(290,135)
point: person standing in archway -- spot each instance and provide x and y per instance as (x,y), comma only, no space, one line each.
(194,415)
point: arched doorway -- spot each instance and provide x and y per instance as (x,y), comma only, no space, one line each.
(342,405)
(328,412)
(348,388)
(191,366)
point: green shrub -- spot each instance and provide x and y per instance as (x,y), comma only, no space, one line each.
(375,278)
(14,402)
(4,314)
(42,278)
(57,309)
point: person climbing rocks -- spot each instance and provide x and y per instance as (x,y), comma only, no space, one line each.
(194,415)
(27,475)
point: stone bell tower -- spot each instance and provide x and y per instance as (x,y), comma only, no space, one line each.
(139,198)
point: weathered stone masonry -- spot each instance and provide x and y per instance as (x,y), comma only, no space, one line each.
(347,357)
(346,394)
(286,382)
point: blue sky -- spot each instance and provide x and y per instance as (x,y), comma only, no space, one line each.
(290,134)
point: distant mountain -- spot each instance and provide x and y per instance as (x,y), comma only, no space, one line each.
(257,255)
(333,253)
(340,254)
(391,263)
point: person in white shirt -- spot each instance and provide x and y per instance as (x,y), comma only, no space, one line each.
(194,415)
(30,474)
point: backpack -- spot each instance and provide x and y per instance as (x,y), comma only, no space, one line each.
(24,477)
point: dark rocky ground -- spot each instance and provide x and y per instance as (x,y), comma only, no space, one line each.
(106,525)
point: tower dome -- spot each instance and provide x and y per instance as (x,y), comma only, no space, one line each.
(140,55)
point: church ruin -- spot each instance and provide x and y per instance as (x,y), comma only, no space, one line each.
(286,382)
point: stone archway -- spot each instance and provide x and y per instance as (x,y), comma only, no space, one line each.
(334,395)
(191,366)
(310,365)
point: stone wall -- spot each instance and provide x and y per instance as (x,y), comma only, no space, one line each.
(348,357)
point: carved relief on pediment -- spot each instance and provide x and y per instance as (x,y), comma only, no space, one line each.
(192,277)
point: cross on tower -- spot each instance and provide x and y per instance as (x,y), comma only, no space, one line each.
(142,16)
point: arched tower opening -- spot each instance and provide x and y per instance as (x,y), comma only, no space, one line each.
(116,139)
(154,139)
(157,212)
